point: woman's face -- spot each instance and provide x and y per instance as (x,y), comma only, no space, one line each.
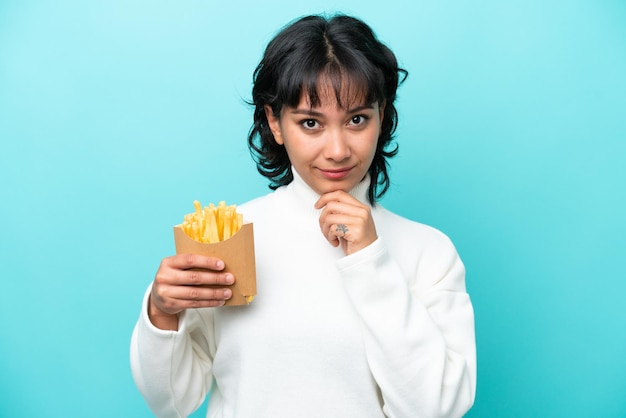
(330,147)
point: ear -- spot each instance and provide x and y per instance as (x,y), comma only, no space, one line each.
(274,124)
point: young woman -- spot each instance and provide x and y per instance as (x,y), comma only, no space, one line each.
(360,312)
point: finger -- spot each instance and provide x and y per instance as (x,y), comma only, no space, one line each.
(336,227)
(333,213)
(195,277)
(174,299)
(346,210)
(358,231)
(337,234)
(190,261)
(189,295)
(341,229)
(336,196)
(332,238)
(338,224)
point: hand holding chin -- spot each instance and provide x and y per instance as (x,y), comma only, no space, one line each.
(346,221)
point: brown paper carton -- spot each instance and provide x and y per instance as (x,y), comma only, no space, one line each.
(237,252)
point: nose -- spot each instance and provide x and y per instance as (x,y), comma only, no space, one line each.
(336,146)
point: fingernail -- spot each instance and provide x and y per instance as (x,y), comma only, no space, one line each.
(230,279)
(227,294)
(220,264)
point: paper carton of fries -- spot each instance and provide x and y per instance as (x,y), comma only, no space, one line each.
(219,231)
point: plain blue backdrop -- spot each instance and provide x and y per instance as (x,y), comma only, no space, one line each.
(116,115)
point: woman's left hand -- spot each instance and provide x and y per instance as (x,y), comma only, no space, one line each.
(346,221)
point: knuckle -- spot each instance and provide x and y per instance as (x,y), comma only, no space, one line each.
(159,278)
(189,259)
(167,262)
(160,292)
(194,277)
(194,293)
(161,275)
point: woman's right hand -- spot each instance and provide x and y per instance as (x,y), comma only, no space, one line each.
(180,283)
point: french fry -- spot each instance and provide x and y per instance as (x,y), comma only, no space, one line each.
(212,223)
(213,228)
(220,215)
(227,224)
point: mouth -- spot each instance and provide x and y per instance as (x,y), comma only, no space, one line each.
(335,173)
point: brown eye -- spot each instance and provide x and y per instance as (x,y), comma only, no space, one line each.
(309,123)
(358,120)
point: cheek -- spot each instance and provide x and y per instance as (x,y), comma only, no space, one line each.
(373,144)
(297,150)
(372,154)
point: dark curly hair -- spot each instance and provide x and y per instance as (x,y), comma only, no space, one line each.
(341,49)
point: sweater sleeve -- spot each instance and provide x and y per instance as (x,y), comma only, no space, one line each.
(172,369)
(418,331)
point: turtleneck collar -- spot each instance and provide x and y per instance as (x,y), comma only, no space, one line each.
(308,196)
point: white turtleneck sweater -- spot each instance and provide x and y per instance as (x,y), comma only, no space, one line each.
(385,332)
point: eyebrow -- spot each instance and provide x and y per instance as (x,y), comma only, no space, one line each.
(311,112)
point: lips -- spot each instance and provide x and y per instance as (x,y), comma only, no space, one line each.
(336,173)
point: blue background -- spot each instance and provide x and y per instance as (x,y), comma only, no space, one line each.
(116,115)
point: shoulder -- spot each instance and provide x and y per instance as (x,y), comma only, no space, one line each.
(270,205)
(255,203)
(257,207)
